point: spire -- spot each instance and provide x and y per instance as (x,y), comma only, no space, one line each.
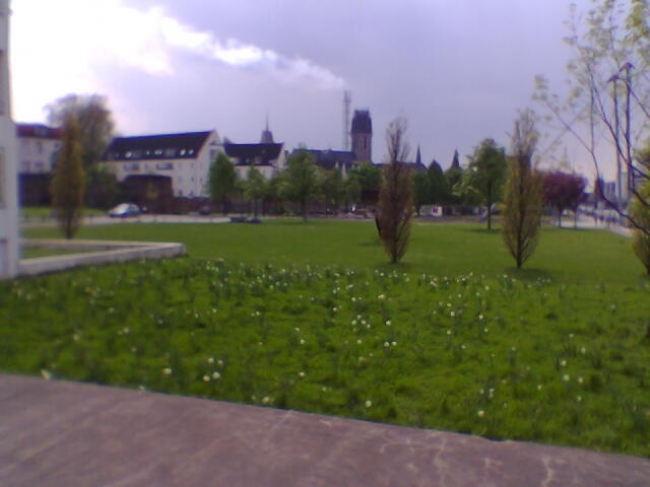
(267,135)
(418,157)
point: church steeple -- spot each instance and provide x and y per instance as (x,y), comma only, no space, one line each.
(418,157)
(267,135)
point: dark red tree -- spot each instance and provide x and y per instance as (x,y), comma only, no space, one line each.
(564,191)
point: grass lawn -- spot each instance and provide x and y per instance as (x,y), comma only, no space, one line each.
(308,316)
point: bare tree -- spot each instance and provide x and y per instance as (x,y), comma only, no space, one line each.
(396,194)
(523,197)
(608,106)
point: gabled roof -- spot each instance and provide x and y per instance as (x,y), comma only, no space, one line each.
(166,146)
(38,131)
(328,159)
(253,154)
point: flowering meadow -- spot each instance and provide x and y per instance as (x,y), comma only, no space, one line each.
(522,357)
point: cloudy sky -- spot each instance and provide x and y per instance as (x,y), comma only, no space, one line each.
(458,70)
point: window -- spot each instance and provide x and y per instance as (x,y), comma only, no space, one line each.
(170,152)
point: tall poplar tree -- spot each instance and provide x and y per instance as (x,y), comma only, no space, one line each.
(69,180)
(524,193)
(396,194)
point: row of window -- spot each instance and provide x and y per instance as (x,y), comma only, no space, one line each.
(170,152)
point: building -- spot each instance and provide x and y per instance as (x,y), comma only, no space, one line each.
(267,156)
(9,242)
(361,135)
(179,161)
(38,146)
(334,159)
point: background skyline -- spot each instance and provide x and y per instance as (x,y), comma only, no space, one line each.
(457,70)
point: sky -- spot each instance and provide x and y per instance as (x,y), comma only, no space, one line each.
(458,70)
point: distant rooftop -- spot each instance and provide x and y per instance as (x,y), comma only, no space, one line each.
(38,130)
(253,154)
(167,146)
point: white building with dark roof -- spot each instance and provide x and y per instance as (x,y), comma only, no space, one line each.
(267,157)
(38,146)
(9,242)
(184,158)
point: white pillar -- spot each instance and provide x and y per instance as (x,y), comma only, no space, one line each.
(9,242)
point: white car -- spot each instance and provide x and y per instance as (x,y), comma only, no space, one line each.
(124,210)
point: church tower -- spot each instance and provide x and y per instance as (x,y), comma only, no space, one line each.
(9,251)
(361,135)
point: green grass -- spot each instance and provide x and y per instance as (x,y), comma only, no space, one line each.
(442,249)
(309,317)
(45,212)
(35,252)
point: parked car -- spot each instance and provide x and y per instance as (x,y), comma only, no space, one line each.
(124,210)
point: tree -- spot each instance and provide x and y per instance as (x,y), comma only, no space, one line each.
(222,181)
(641,240)
(255,187)
(453,180)
(564,191)
(96,126)
(331,187)
(609,99)
(68,181)
(95,121)
(486,173)
(352,191)
(523,192)
(301,180)
(439,191)
(396,194)
(369,177)
(422,190)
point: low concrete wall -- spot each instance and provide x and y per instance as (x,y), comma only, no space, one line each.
(95,252)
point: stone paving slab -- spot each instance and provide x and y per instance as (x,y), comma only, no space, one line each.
(95,252)
(58,433)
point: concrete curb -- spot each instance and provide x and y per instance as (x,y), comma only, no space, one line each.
(95,252)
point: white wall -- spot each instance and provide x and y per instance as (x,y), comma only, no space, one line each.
(36,154)
(189,176)
(9,243)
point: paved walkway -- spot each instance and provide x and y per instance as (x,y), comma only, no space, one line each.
(59,433)
(93,252)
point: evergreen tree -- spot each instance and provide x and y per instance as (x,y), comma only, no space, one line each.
(68,181)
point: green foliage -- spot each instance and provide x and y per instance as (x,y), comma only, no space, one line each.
(524,193)
(529,359)
(332,188)
(438,188)
(369,177)
(255,187)
(640,212)
(486,174)
(69,180)
(103,191)
(222,180)
(351,191)
(95,121)
(300,182)
(421,190)
(453,181)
